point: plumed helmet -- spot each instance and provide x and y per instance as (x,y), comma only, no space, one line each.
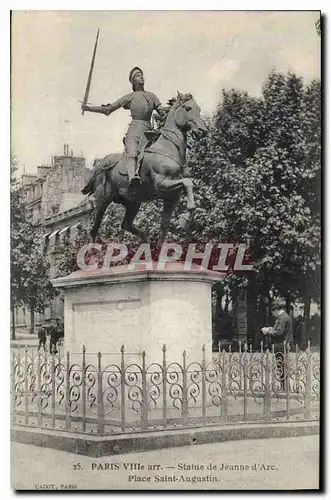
(133,73)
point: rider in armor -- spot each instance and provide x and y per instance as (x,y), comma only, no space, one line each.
(141,103)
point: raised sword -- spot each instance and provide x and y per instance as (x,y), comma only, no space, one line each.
(89,79)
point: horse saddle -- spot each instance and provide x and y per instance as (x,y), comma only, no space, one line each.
(149,137)
(109,161)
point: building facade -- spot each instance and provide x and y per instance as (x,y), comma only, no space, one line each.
(53,197)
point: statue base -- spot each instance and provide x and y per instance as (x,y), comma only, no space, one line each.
(142,310)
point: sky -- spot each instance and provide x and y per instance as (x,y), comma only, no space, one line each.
(200,52)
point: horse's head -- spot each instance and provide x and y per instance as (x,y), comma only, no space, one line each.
(187,115)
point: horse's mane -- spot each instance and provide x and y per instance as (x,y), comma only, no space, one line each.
(161,119)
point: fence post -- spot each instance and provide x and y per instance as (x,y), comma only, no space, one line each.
(53,389)
(245,381)
(144,406)
(261,363)
(250,378)
(184,402)
(164,385)
(267,393)
(84,388)
(287,380)
(68,408)
(101,410)
(308,383)
(203,384)
(240,366)
(12,386)
(26,388)
(224,404)
(122,389)
(297,382)
(39,399)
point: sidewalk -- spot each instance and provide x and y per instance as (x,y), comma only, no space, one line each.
(287,463)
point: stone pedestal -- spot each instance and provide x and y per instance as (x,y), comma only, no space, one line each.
(142,310)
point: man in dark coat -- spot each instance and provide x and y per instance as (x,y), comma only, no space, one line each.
(53,337)
(281,332)
(42,332)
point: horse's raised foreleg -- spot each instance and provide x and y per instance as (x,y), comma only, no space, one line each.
(131,210)
(188,185)
(176,185)
(164,184)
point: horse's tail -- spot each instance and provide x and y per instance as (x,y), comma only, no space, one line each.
(90,186)
(101,167)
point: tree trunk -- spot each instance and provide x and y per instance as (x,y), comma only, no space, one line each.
(306,316)
(13,337)
(32,320)
(227,302)
(219,310)
(288,303)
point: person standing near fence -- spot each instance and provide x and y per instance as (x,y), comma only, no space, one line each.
(42,337)
(281,332)
(53,338)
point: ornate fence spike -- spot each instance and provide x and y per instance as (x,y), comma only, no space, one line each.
(101,410)
(84,389)
(245,346)
(26,387)
(84,348)
(144,402)
(164,348)
(122,389)
(53,400)
(122,348)
(67,401)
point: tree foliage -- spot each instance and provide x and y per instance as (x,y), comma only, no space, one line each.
(29,268)
(258,179)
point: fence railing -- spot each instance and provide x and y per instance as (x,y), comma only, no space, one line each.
(53,391)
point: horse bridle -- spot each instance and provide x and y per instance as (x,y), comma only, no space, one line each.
(177,141)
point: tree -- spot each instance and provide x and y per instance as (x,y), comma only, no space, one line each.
(30,284)
(17,243)
(258,177)
(38,288)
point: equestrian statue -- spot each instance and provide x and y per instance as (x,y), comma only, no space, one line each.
(153,163)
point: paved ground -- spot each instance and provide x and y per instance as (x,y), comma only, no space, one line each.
(287,463)
(23,339)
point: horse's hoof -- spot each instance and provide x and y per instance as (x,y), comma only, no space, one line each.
(185,221)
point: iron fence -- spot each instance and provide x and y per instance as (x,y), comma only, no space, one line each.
(52,391)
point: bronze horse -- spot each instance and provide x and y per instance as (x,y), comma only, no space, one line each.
(162,173)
